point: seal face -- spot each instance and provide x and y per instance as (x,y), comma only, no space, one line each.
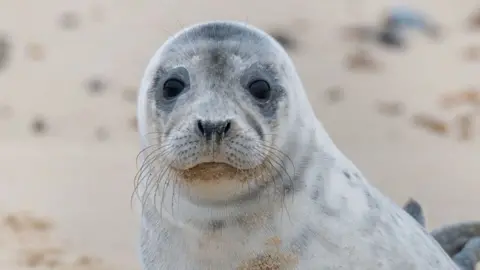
(214,106)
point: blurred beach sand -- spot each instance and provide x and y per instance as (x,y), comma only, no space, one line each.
(68,76)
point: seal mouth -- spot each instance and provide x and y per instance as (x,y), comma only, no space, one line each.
(219,184)
(212,171)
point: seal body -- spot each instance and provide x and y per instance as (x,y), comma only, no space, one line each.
(238,173)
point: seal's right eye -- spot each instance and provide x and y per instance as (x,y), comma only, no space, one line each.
(172,88)
(260,89)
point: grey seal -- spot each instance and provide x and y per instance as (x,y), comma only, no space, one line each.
(238,173)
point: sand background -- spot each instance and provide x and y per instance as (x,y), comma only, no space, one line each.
(68,77)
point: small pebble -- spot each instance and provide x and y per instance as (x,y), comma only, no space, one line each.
(69,20)
(362,59)
(4,51)
(468,96)
(391,108)
(431,124)
(86,261)
(335,94)
(96,85)
(39,125)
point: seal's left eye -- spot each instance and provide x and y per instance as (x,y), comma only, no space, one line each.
(260,89)
(172,88)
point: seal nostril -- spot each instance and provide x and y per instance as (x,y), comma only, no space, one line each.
(208,129)
(200,127)
(227,127)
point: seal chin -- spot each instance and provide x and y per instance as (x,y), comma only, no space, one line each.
(215,172)
(218,182)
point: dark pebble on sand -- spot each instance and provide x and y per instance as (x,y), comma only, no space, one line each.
(361,59)
(101,133)
(431,124)
(4,51)
(96,85)
(391,108)
(39,125)
(69,20)
(334,94)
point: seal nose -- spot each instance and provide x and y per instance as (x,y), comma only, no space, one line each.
(209,128)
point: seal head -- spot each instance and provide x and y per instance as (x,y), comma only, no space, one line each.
(213,109)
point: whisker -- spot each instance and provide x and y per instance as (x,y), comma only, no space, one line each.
(146,168)
(156,179)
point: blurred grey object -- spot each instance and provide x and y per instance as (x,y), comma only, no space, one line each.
(393,28)
(399,20)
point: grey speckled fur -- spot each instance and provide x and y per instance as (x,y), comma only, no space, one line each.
(310,208)
(461,241)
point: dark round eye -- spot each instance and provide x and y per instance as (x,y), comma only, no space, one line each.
(172,88)
(260,89)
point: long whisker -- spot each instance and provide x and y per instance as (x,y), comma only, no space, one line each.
(146,164)
(146,168)
(155,179)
